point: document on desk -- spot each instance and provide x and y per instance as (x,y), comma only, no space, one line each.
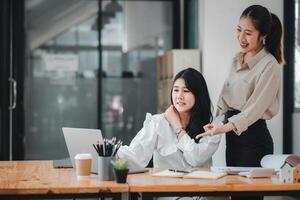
(169,173)
(193,174)
(232,170)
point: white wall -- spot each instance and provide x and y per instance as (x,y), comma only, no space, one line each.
(156,23)
(217,24)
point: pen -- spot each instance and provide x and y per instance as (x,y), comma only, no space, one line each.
(117,146)
(178,170)
(96,149)
(108,148)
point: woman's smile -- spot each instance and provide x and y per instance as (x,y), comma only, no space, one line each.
(244,45)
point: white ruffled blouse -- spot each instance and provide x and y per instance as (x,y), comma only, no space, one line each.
(158,139)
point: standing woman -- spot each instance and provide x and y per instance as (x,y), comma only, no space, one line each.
(251,93)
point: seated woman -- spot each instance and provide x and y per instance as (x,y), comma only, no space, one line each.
(176,147)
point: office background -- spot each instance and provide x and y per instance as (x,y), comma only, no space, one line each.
(91,64)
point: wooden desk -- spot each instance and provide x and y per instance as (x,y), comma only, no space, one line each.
(150,186)
(39,178)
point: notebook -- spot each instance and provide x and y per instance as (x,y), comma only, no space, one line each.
(193,174)
(258,173)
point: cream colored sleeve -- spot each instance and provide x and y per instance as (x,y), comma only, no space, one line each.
(222,107)
(265,93)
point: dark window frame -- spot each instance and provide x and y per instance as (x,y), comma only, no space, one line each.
(5,37)
(288,75)
(191,24)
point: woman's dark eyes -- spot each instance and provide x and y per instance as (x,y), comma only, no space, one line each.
(177,90)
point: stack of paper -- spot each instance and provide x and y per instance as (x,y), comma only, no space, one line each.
(232,170)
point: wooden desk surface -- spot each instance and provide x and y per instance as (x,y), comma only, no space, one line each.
(230,183)
(40,178)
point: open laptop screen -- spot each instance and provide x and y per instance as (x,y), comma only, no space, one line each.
(79,140)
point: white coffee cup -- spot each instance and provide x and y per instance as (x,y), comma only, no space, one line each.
(83,163)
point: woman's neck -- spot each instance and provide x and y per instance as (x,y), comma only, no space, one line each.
(184,118)
(247,56)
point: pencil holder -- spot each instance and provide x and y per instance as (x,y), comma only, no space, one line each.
(105,172)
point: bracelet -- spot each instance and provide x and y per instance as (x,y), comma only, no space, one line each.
(182,133)
(178,130)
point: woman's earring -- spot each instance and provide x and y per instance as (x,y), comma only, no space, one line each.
(264,41)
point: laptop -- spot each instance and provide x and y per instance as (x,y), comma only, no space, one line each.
(80,140)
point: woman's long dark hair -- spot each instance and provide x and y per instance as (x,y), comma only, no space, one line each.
(201,113)
(269,25)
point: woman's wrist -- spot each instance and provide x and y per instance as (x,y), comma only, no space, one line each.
(176,125)
(181,134)
(229,126)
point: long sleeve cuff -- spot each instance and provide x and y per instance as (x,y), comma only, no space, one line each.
(184,144)
(240,123)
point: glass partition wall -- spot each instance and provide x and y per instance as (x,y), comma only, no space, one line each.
(91,64)
(131,38)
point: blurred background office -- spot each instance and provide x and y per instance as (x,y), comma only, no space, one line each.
(93,64)
(82,63)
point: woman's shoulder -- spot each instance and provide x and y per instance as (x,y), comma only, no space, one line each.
(157,120)
(155,117)
(271,58)
(271,63)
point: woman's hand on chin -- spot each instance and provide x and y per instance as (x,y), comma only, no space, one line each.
(171,114)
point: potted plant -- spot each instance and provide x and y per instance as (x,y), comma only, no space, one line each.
(120,170)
